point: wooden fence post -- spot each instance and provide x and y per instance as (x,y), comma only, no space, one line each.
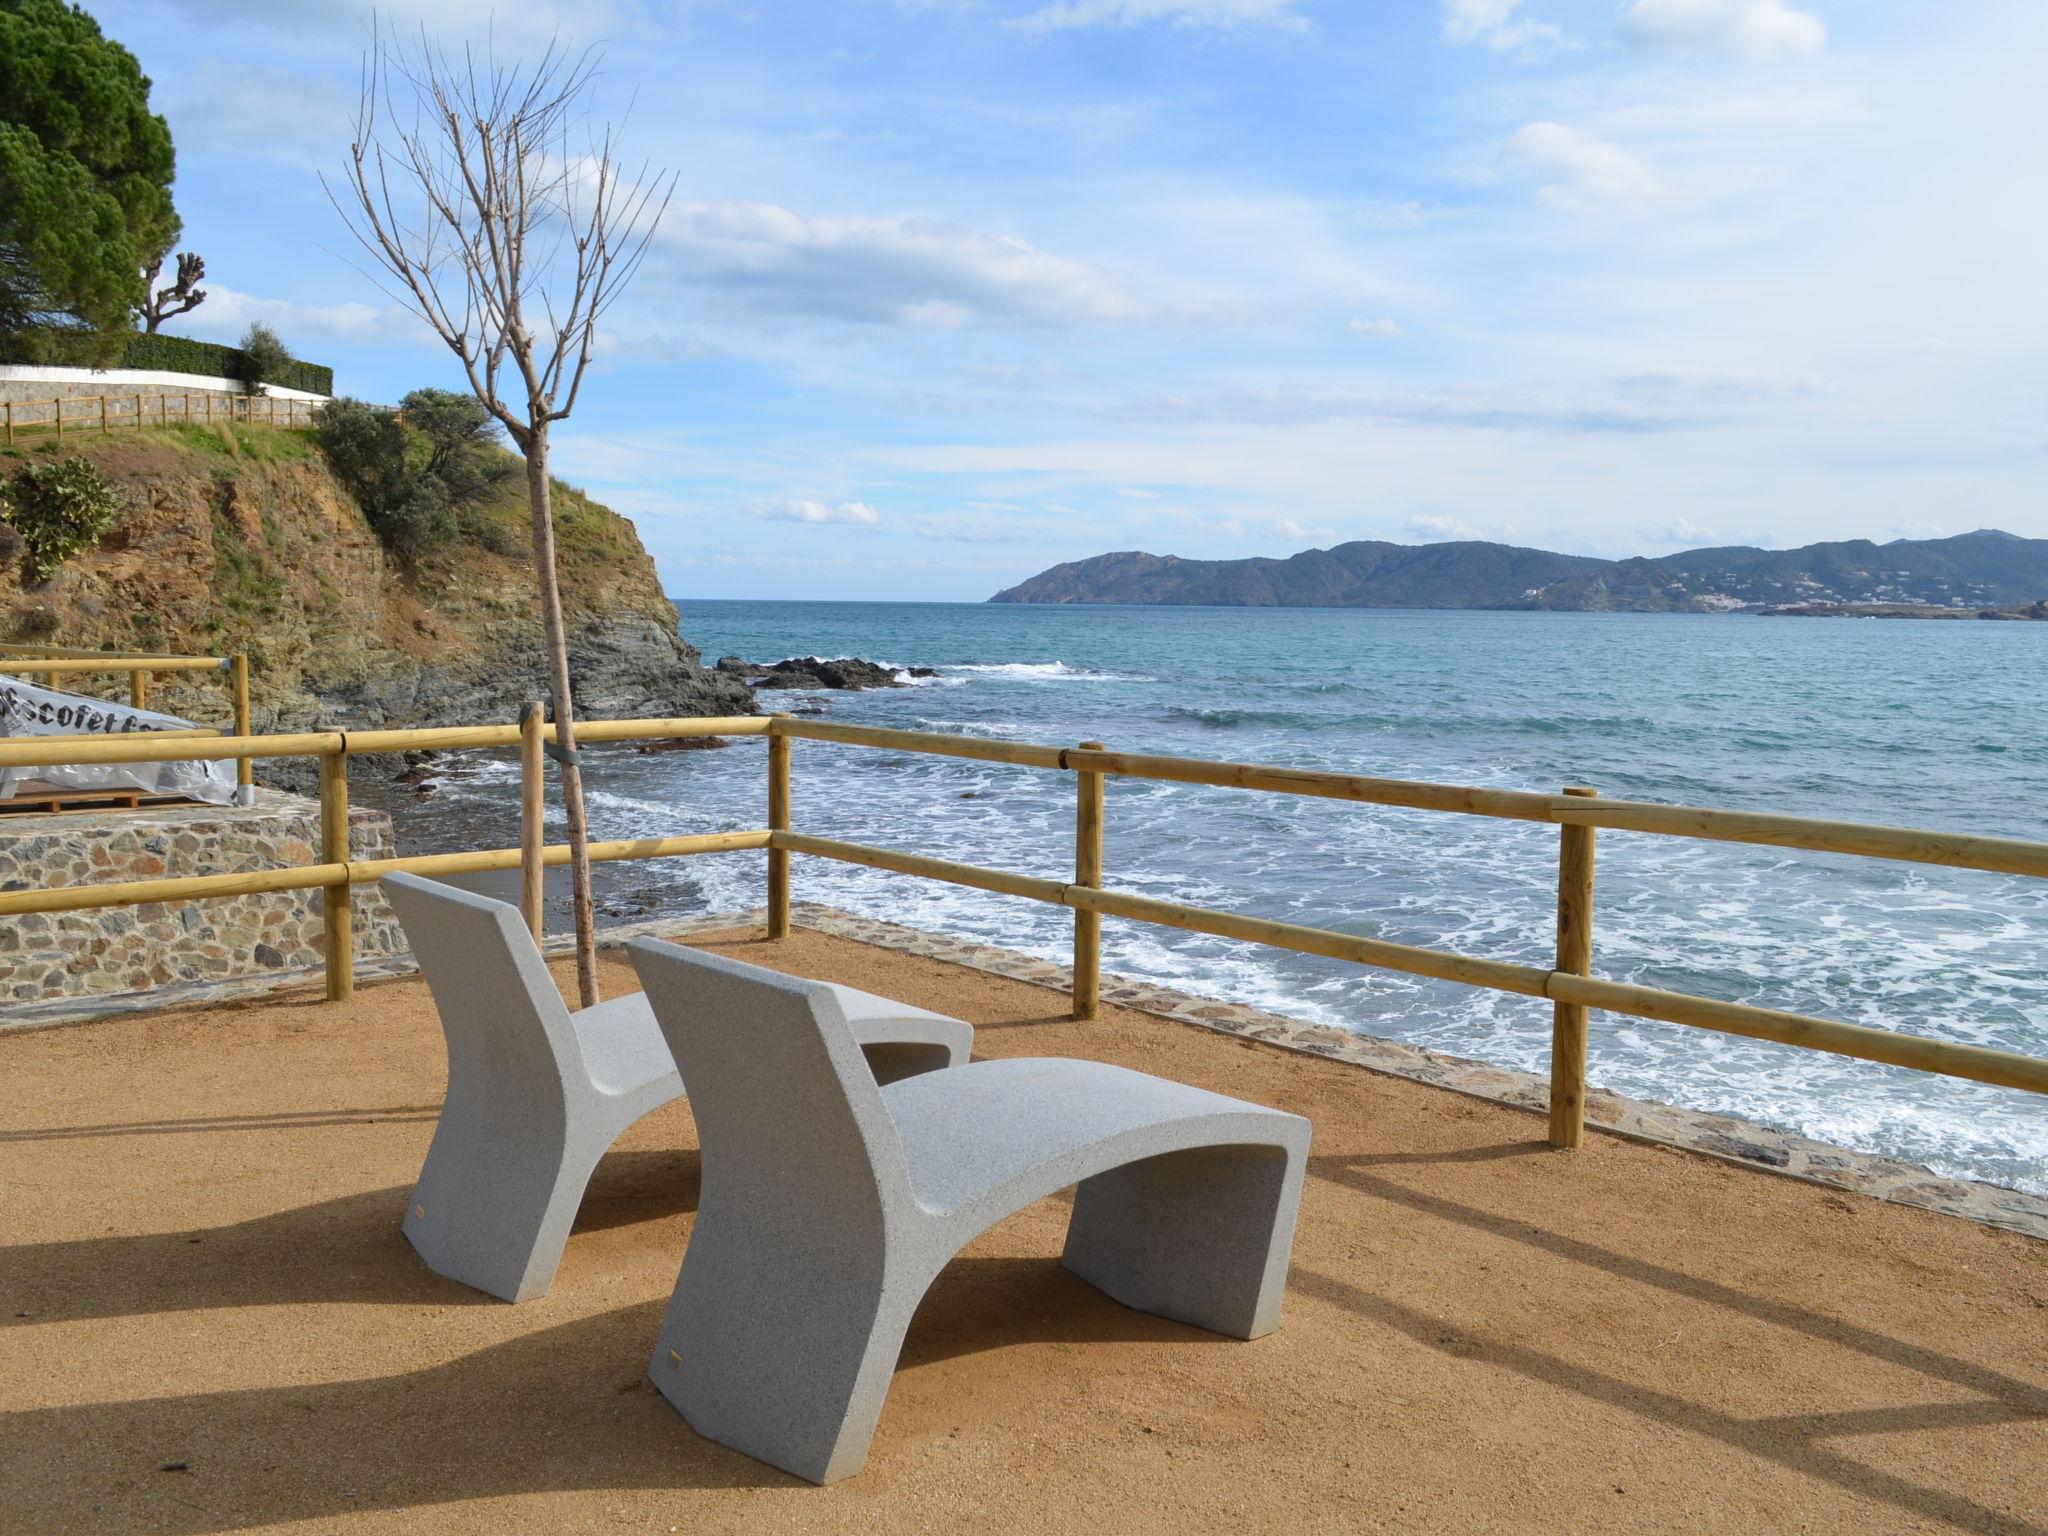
(138,413)
(138,689)
(336,900)
(1088,871)
(57,411)
(238,671)
(778,821)
(10,423)
(1575,958)
(532,813)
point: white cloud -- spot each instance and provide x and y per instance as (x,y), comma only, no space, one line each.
(855,513)
(1433,529)
(1070,14)
(262,111)
(916,272)
(227,313)
(1494,25)
(1756,29)
(1258,527)
(1381,329)
(982,530)
(448,21)
(1578,171)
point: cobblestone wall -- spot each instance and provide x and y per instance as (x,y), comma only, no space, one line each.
(133,949)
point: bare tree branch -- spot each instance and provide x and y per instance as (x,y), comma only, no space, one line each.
(477,216)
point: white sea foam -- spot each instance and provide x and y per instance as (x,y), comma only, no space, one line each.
(1932,952)
(1047,672)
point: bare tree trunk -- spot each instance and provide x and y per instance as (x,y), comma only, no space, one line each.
(541,497)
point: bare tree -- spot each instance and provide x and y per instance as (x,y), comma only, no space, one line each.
(505,220)
(159,304)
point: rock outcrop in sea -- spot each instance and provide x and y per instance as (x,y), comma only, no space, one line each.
(845,672)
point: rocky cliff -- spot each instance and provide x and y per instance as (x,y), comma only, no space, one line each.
(238,539)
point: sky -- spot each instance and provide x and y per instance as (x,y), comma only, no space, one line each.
(952,290)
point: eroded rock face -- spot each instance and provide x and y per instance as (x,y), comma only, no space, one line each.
(245,543)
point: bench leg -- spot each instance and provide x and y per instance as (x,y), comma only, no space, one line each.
(493,1207)
(782,1348)
(1201,1236)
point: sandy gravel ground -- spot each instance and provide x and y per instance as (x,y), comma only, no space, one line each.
(209,1321)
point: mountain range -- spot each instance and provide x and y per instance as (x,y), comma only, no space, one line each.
(1981,569)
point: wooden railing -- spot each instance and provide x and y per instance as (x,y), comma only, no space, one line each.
(1569,985)
(55,662)
(131,412)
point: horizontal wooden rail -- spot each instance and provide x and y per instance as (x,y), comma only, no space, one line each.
(154,747)
(145,746)
(1955,850)
(1000,881)
(1022,754)
(182,733)
(13,648)
(474,861)
(455,737)
(102,662)
(132,893)
(2005,1069)
(308,877)
(1947,1058)
(1569,988)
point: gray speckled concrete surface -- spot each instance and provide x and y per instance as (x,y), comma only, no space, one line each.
(537,1094)
(1722,1136)
(830,1203)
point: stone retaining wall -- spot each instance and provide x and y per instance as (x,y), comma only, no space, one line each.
(46,956)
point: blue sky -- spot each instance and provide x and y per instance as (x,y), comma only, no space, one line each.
(955,289)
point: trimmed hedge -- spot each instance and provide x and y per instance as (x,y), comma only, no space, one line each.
(181,354)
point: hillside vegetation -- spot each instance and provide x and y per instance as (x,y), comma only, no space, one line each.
(241,538)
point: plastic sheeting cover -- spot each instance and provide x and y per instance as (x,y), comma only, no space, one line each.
(26,710)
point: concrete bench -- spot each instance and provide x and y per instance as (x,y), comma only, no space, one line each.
(537,1094)
(830,1202)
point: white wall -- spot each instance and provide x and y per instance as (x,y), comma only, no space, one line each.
(77,383)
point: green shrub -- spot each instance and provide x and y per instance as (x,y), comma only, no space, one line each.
(181,354)
(367,449)
(422,474)
(462,444)
(264,358)
(58,510)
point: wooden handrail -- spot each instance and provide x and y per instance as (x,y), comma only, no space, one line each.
(1955,850)
(1570,987)
(2005,1069)
(106,662)
(140,667)
(335,873)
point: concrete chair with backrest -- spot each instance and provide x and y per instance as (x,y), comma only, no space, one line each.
(537,1094)
(830,1203)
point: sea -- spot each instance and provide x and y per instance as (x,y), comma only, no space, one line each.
(1939,725)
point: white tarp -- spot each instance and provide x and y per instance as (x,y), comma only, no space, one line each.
(26,710)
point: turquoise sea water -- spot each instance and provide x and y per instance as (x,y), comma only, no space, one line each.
(1938,725)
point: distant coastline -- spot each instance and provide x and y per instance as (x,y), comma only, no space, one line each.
(1989,571)
(2035,611)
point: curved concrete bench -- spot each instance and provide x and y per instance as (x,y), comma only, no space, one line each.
(537,1094)
(829,1203)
